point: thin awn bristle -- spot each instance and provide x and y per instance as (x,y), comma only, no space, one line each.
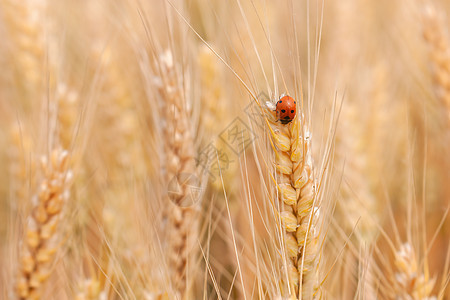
(216,158)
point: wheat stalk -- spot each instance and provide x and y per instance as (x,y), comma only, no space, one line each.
(295,182)
(41,240)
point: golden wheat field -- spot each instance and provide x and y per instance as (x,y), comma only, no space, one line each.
(224,149)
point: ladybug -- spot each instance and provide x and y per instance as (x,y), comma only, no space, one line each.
(286,109)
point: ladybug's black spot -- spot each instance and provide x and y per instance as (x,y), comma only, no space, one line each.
(294,102)
(287,118)
(283,111)
(280,101)
(292,111)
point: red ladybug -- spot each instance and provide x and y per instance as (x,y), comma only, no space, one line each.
(286,109)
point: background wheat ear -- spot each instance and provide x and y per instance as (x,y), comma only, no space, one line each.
(89,290)
(25,22)
(182,198)
(41,239)
(437,38)
(410,281)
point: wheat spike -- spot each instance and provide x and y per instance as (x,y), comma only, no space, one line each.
(25,25)
(436,36)
(180,176)
(90,290)
(41,240)
(411,283)
(119,115)
(67,101)
(295,183)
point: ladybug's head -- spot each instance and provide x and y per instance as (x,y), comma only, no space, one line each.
(286,120)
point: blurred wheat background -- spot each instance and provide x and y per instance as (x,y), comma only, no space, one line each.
(143,158)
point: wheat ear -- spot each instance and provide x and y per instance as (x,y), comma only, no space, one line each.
(436,36)
(24,21)
(295,183)
(67,101)
(41,240)
(180,168)
(89,290)
(410,282)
